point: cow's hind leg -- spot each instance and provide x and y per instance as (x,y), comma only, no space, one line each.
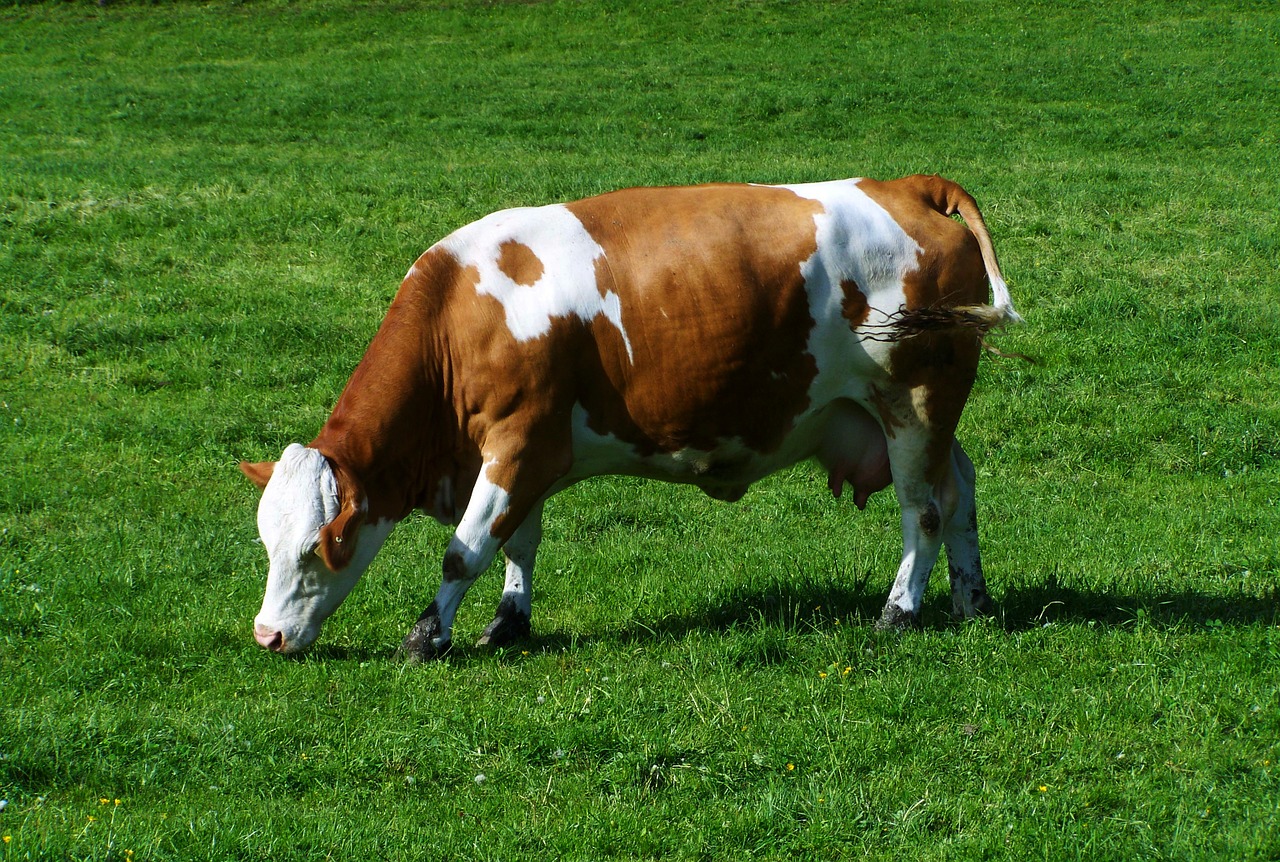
(512,620)
(964,562)
(919,411)
(928,494)
(922,520)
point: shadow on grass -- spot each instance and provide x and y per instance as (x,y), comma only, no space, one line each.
(339,652)
(1026,608)
(801,607)
(780,607)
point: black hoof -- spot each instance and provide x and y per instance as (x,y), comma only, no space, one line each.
(416,649)
(895,619)
(420,644)
(983,606)
(509,625)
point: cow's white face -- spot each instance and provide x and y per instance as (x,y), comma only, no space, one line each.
(299,501)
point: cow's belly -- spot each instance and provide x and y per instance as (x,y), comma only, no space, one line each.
(841,435)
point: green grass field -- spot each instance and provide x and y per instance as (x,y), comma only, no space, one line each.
(204,212)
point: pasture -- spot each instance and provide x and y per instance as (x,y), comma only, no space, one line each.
(205,210)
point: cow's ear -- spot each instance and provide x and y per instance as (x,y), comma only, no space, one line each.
(259,473)
(338,537)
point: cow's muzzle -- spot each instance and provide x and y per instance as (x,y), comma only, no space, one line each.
(269,637)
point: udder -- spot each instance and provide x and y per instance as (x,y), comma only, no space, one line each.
(853,451)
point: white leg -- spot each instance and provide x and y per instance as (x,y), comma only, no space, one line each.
(968,586)
(925,509)
(469,553)
(512,620)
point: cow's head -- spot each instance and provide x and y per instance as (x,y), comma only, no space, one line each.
(312,521)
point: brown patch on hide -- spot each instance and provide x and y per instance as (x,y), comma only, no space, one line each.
(715,308)
(519,263)
(854,306)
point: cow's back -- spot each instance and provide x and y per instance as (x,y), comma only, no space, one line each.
(697,319)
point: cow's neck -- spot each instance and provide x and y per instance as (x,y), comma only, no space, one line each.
(390,428)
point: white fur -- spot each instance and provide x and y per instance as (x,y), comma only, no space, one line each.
(301,592)
(568,282)
(474,544)
(521,551)
(858,241)
(473,539)
(828,431)
(1001,299)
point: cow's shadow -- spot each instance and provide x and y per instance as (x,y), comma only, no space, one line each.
(781,606)
(1029,607)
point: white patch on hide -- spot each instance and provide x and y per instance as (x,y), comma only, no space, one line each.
(858,241)
(567,286)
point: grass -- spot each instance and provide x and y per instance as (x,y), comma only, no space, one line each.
(205,210)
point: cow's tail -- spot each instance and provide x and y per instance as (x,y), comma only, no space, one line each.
(949,198)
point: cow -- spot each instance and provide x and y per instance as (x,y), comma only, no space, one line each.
(708,335)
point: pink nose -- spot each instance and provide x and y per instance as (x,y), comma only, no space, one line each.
(269,638)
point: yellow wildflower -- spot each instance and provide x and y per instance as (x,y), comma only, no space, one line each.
(791,767)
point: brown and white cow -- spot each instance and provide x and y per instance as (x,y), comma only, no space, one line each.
(709,335)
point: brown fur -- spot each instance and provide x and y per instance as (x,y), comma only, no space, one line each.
(518,262)
(720,319)
(717,316)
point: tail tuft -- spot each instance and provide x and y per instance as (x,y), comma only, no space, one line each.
(906,323)
(979,319)
(1001,300)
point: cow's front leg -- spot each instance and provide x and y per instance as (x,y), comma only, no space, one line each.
(512,620)
(493,516)
(470,551)
(969,596)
